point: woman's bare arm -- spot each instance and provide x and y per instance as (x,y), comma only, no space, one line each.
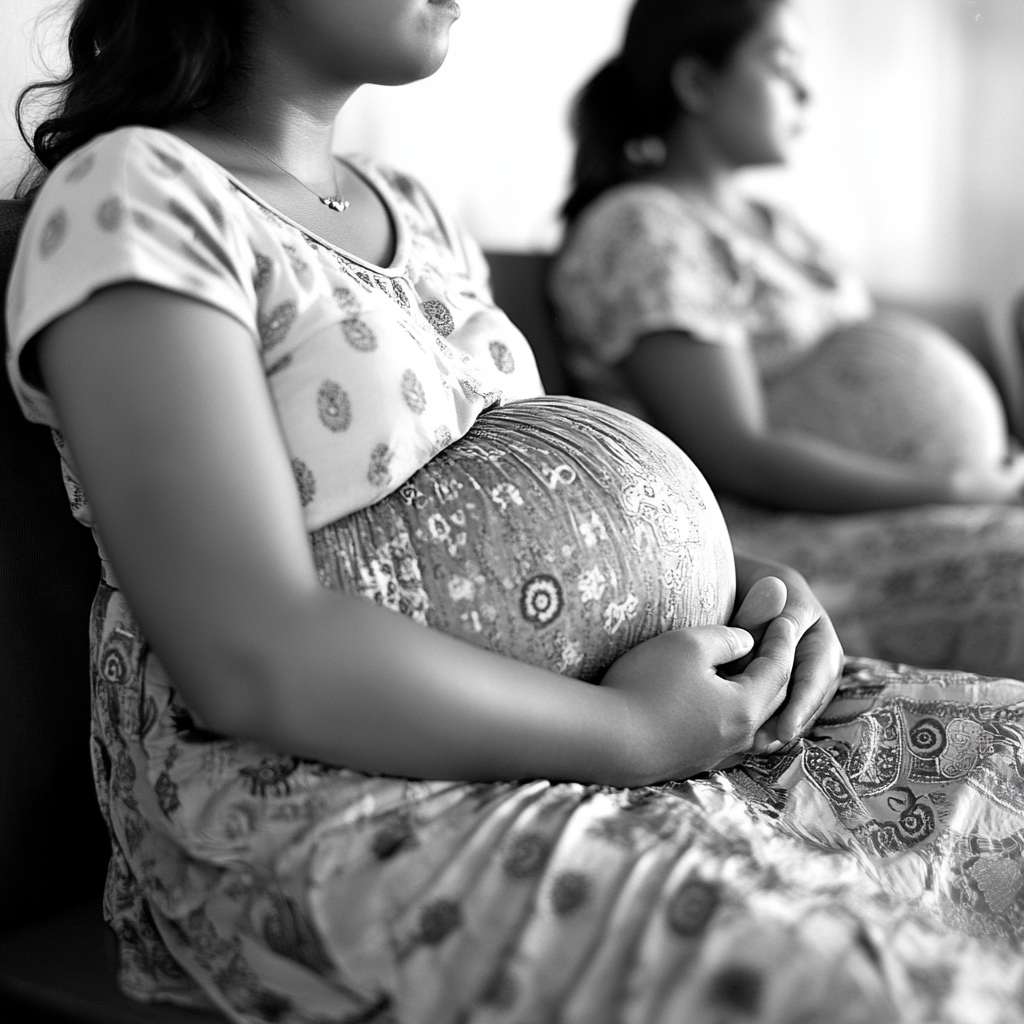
(709,400)
(168,418)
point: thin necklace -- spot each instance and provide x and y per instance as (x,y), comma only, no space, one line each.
(335,203)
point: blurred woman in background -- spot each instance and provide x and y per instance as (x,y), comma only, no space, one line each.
(729,325)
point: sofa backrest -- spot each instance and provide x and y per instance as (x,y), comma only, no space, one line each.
(519,283)
(53,845)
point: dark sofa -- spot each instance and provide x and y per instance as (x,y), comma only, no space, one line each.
(57,959)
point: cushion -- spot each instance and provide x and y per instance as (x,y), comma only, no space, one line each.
(53,845)
(898,388)
(558,532)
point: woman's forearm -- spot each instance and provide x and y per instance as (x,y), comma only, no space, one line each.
(336,678)
(709,399)
(799,471)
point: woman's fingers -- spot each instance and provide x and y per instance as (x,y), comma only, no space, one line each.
(817,662)
(816,675)
(1002,483)
(722,644)
(730,762)
(1016,472)
(691,716)
(800,642)
(766,738)
(765,600)
(766,678)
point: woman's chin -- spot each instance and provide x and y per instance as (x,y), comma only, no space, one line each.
(416,66)
(763,158)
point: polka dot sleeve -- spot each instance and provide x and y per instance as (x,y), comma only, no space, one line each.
(132,206)
(635,264)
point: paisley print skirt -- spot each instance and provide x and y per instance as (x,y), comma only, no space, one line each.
(935,585)
(871,872)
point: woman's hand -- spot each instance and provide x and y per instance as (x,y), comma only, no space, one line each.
(684,715)
(818,655)
(1003,483)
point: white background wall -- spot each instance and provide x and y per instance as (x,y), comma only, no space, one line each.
(914,167)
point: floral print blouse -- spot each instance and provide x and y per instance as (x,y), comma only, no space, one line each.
(372,370)
(644,259)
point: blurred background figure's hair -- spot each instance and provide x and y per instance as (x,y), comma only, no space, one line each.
(630,102)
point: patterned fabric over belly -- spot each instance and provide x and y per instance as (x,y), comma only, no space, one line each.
(558,532)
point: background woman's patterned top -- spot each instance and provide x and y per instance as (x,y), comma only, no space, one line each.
(643,259)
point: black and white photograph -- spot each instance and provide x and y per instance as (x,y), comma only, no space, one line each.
(512,513)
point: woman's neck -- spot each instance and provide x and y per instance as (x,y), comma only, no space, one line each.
(695,168)
(283,115)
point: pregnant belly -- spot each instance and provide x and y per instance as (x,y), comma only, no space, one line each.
(558,532)
(898,388)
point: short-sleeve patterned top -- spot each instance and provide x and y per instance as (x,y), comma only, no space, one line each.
(643,258)
(372,370)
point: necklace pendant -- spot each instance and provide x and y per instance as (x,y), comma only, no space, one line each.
(335,204)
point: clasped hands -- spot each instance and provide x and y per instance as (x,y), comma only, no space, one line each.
(702,697)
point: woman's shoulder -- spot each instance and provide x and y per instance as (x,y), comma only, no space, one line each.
(126,156)
(135,204)
(640,215)
(128,176)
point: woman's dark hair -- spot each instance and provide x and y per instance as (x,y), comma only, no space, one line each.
(631,97)
(142,62)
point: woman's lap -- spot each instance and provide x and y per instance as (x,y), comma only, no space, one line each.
(941,585)
(808,882)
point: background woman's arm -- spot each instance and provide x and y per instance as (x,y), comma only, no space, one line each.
(709,400)
(169,421)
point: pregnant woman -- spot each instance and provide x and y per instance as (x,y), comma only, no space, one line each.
(728,325)
(350,550)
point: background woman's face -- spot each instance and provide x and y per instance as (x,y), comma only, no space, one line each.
(384,42)
(757,103)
